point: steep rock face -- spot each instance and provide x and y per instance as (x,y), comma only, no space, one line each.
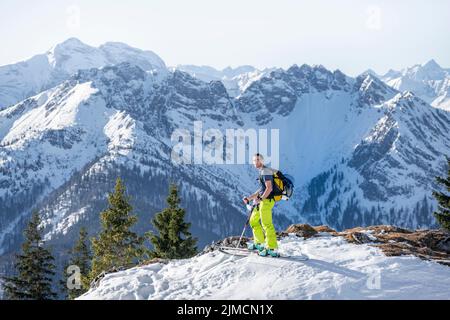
(389,176)
(278,92)
(371,91)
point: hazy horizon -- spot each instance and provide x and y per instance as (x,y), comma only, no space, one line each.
(349,35)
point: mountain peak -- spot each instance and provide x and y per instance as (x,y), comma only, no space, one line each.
(115,44)
(372,89)
(432,64)
(72,55)
(320,67)
(371,72)
(295,69)
(391,73)
(429,71)
(70,43)
(72,40)
(367,76)
(233,72)
(118,46)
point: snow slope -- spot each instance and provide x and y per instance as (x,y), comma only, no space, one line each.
(336,269)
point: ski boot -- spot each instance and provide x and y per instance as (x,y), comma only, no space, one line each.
(269,252)
(255,246)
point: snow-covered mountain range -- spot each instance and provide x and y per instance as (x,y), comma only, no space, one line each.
(77,117)
(24,79)
(235,80)
(429,81)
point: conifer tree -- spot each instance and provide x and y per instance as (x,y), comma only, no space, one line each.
(443,213)
(116,245)
(80,257)
(34,267)
(174,240)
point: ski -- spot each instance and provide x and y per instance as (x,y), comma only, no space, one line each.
(245,252)
(236,251)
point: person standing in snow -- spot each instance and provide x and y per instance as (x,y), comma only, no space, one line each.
(264,235)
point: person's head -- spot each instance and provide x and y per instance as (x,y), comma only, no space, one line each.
(258,160)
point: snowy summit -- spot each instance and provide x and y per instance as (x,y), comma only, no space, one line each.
(335,269)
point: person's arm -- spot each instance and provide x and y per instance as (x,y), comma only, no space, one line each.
(252,196)
(266,193)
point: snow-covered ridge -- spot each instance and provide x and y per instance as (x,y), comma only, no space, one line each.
(236,80)
(336,269)
(429,81)
(27,78)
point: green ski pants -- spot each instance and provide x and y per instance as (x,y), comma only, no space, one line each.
(261,219)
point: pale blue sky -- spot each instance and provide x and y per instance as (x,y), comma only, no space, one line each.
(351,35)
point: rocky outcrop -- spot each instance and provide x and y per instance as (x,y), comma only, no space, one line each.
(300,230)
(431,244)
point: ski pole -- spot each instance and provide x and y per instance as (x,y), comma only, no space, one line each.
(246,223)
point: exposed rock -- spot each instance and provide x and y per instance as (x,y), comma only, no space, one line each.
(359,237)
(324,229)
(394,241)
(444,244)
(387,229)
(300,230)
(154,260)
(94,283)
(380,229)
